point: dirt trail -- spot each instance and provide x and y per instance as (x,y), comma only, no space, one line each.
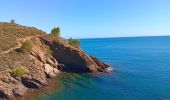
(18,40)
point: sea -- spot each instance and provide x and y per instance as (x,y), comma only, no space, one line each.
(141,71)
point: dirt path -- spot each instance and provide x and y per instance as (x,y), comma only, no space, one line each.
(18,40)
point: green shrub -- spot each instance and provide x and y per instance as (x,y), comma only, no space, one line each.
(26,46)
(55,32)
(74,42)
(19,72)
(12,21)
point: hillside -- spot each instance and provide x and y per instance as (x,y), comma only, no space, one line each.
(9,33)
(29,56)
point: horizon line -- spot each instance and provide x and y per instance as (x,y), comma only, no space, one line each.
(91,37)
(126,37)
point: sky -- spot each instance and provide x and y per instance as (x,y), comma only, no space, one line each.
(91,18)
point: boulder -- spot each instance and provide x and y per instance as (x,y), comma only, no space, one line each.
(56,71)
(37,77)
(49,70)
(36,52)
(52,62)
(41,56)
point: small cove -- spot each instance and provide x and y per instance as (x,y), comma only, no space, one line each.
(142,71)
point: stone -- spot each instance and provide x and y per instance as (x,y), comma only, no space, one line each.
(49,70)
(38,54)
(36,77)
(53,62)
(56,71)
(20,90)
(5,90)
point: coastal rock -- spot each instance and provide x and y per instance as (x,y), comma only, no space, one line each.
(52,62)
(37,77)
(49,70)
(74,59)
(56,71)
(47,57)
(19,90)
(6,78)
(38,54)
(55,61)
(29,83)
(5,90)
(103,66)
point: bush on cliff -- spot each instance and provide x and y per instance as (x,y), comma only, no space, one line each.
(26,46)
(12,21)
(19,72)
(74,42)
(55,32)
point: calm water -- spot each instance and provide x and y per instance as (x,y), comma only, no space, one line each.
(142,71)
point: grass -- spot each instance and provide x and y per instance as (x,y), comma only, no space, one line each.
(10,32)
(14,58)
(26,46)
(74,42)
(8,35)
(18,72)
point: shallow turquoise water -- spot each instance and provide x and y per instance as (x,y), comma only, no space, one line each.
(142,71)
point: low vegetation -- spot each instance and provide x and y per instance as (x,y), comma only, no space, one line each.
(26,46)
(12,21)
(74,42)
(11,31)
(55,32)
(14,58)
(19,72)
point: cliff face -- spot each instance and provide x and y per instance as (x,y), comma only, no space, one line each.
(47,58)
(74,59)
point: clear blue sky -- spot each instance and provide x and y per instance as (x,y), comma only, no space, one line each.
(91,18)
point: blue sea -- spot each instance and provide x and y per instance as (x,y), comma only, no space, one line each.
(141,71)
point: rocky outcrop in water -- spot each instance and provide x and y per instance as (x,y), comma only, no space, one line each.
(47,58)
(74,59)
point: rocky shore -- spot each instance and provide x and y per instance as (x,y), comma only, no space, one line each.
(46,59)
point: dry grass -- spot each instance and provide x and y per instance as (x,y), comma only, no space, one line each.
(13,59)
(10,32)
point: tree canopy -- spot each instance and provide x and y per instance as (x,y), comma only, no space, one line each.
(55,32)
(12,21)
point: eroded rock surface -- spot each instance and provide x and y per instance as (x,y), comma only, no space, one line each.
(39,63)
(74,59)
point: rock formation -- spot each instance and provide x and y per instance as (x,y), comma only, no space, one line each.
(39,63)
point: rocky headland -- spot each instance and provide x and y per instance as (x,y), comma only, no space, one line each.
(23,70)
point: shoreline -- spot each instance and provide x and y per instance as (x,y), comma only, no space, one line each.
(34,56)
(53,85)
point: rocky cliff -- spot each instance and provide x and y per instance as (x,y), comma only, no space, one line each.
(21,71)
